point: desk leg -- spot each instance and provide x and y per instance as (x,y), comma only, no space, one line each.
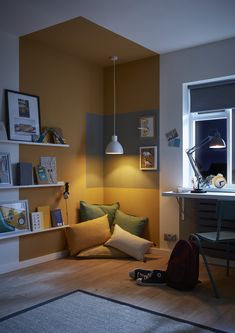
(181,207)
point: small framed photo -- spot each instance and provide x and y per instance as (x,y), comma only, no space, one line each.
(41,174)
(148,158)
(14,216)
(5,170)
(49,164)
(147,126)
(23,116)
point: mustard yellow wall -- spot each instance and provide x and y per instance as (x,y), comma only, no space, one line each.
(137,89)
(68,88)
(137,86)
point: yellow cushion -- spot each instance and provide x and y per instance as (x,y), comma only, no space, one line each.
(84,235)
(102,251)
(128,243)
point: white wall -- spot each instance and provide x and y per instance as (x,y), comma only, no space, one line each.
(193,64)
(9,79)
(9,66)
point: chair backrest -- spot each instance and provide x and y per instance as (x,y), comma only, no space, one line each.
(225,211)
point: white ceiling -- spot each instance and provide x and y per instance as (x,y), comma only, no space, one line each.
(159,25)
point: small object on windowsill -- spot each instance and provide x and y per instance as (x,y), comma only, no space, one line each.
(179,189)
(219,181)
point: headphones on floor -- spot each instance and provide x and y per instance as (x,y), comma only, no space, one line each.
(66,191)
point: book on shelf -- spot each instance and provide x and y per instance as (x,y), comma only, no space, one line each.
(24,173)
(37,221)
(46,221)
(42,176)
(56,218)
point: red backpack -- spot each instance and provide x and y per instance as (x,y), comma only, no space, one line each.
(183,266)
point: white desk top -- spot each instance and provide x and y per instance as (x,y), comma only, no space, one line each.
(227,196)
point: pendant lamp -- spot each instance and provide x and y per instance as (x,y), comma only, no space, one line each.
(114,147)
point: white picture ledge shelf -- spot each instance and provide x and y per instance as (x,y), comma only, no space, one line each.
(13,187)
(14,234)
(33,143)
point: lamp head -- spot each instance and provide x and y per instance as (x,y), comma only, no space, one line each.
(217,142)
(114,147)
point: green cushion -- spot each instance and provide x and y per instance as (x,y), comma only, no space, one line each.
(133,224)
(92,211)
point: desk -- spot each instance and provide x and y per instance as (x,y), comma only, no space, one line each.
(226,196)
(188,224)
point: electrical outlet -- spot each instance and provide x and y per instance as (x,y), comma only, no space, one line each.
(170,237)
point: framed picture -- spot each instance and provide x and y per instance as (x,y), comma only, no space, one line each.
(49,164)
(5,170)
(148,158)
(147,126)
(41,174)
(23,116)
(14,216)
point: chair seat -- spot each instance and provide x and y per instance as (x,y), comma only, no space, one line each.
(211,236)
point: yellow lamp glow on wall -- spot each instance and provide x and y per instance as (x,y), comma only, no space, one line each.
(114,147)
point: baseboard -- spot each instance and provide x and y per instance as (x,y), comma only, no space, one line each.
(35,261)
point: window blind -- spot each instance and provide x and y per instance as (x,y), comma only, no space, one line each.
(212,96)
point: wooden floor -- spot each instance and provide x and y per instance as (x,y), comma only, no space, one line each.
(29,286)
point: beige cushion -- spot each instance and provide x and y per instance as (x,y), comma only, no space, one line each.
(84,235)
(102,251)
(133,245)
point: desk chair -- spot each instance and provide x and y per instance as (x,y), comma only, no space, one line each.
(224,212)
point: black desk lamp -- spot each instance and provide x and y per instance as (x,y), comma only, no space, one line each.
(215,142)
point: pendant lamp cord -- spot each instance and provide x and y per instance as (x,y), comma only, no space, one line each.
(114,96)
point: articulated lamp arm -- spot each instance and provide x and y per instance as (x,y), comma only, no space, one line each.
(215,142)
(190,152)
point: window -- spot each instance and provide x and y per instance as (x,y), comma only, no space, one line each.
(209,108)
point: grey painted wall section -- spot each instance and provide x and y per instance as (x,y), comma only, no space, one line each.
(127,130)
(199,63)
(118,170)
(94,150)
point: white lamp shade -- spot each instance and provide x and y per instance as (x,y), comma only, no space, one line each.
(114,147)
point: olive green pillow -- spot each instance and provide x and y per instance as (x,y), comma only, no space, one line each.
(133,224)
(92,211)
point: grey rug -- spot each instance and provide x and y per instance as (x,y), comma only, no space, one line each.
(83,312)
